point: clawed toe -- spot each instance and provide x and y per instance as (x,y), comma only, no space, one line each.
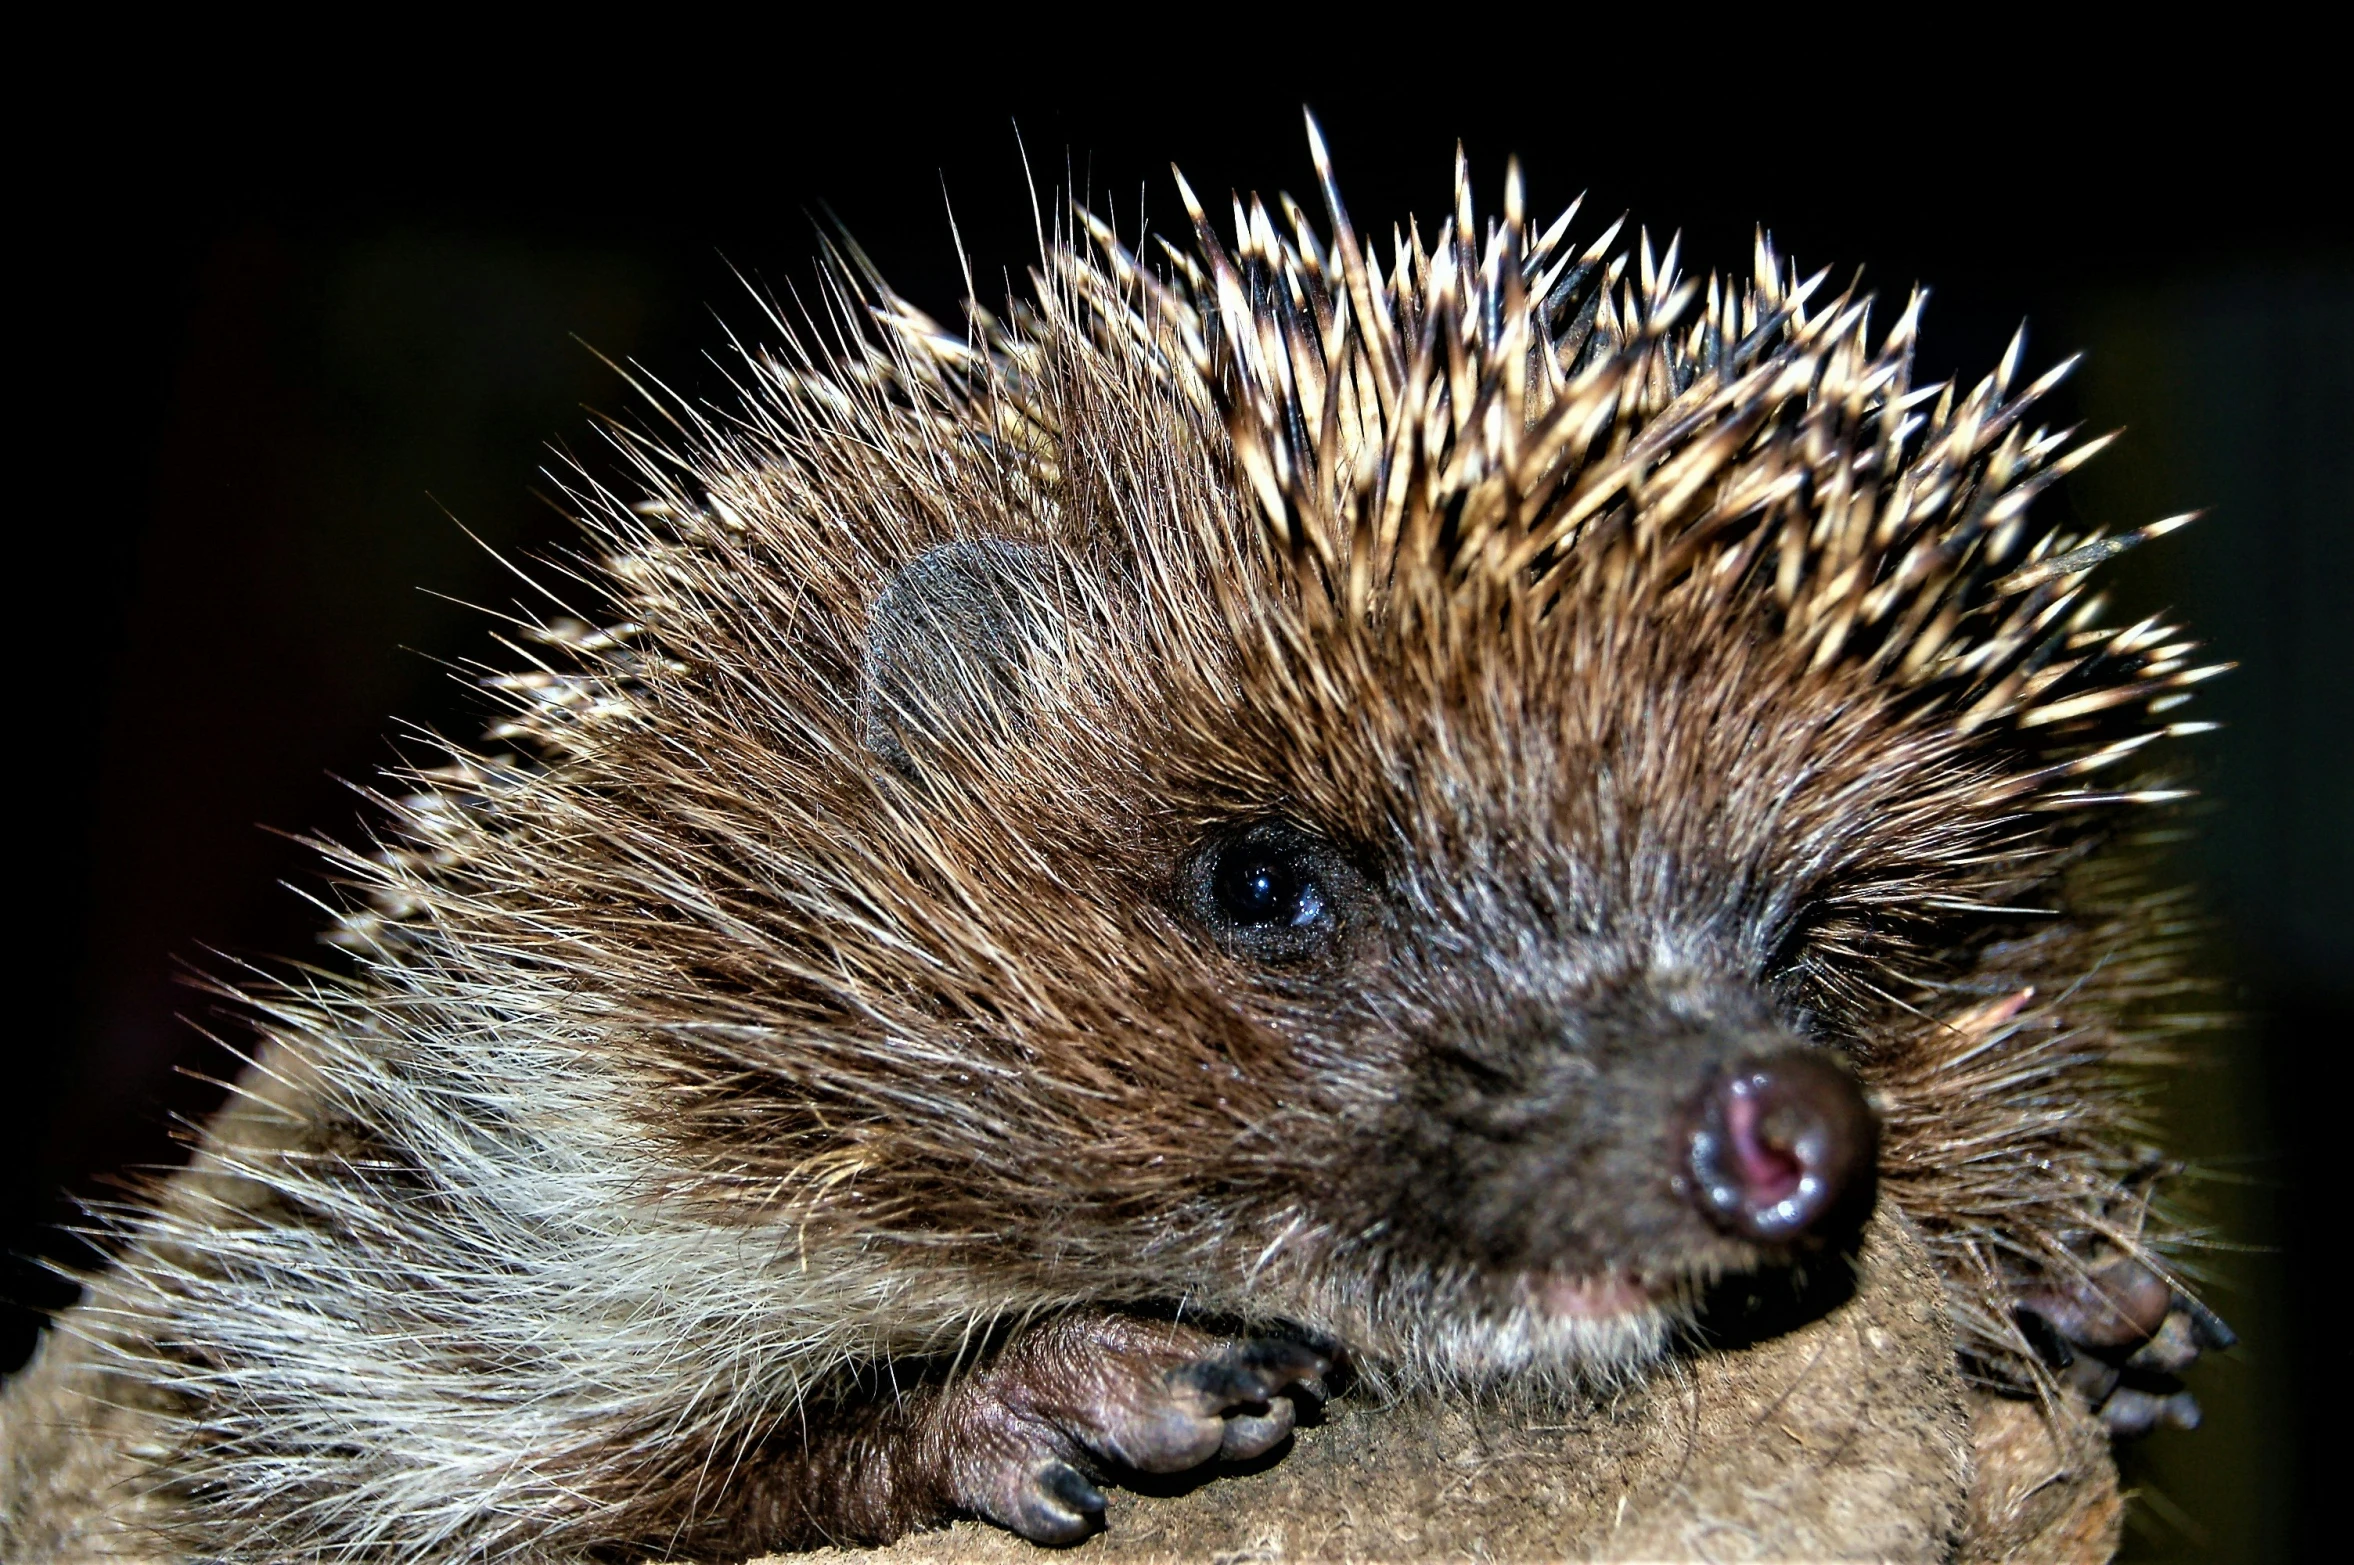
(1247,1387)
(1230,1403)
(1249,1372)
(2116,1303)
(2130,1412)
(1057,1505)
(1255,1434)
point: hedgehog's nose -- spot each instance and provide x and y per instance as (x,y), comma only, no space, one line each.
(1778,1145)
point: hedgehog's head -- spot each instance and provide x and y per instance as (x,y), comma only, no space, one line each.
(1414,802)
(1476,994)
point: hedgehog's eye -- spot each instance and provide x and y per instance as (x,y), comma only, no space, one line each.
(1269,892)
(1259,888)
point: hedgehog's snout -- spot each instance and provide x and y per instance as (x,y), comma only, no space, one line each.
(1780,1147)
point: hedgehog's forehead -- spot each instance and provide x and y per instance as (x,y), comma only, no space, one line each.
(1678,731)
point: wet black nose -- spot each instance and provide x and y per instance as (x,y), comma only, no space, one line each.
(1779,1146)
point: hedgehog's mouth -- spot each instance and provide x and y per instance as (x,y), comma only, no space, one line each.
(1609,1296)
(1554,1324)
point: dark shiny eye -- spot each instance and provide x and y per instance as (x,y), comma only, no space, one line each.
(1271,892)
(1258,887)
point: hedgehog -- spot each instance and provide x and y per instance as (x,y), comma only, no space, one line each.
(1276,812)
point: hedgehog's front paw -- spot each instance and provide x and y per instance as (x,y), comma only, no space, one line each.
(2122,1336)
(1091,1394)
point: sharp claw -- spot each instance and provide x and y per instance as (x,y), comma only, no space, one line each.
(2206,1326)
(1063,1508)
(1254,1373)
(1288,1361)
(1254,1434)
(1070,1486)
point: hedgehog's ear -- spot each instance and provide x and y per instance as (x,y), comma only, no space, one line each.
(954,642)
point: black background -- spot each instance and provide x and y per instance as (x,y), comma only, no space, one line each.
(281,329)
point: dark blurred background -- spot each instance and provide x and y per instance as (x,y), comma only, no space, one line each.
(282,349)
